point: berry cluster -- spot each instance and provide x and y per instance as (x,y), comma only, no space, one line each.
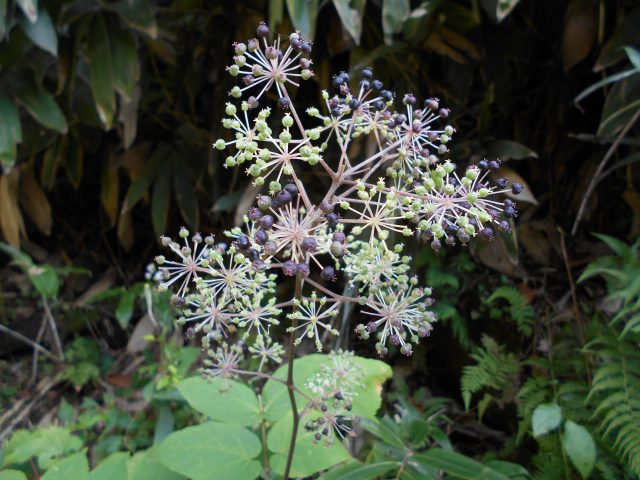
(403,186)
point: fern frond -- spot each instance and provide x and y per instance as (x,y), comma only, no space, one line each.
(616,383)
(493,368)
(520,311)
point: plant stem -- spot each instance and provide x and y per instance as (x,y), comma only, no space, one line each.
(290,385)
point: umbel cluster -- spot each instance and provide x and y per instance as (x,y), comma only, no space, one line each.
(351,235)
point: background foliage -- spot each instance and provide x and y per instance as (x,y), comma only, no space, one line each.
(107,115)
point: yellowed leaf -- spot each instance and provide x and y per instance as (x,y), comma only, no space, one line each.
(126,234)
(11,222)
(450,43)
(580,30)
(34,201)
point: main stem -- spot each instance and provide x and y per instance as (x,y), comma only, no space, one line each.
(290,385)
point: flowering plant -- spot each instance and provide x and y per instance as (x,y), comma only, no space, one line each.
(350,234)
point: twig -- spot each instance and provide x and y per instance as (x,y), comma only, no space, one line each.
(603,163)
(16,415)
(290,384)
(54,329)
(30,342)
(34,366)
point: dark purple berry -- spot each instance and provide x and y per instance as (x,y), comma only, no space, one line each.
(483,164)
(284,103)
(377,85)
(259,265)
(379,105)
(516,188)
(333,219)
(436,245)
(409,99)
(502,182)
(254,214)
(337,249)
(395,339)
(262,30)
(309,244)
(283,197)
(371,327)
(303,269)
(328,274)
(289,268)
(264,202)
(243,242)
(292,188)
(443,112)
(270,248)
(261,237)
(339,237)
(509,212)
(504,226)
(494,165)
(266,222)
(367,72)
(487,233)
(253,254)
(354,104)
(386,95)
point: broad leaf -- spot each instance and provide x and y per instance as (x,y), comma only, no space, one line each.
(12,475)
(29,8)
(351,13)
(99,57)
(233,402)
(546,417)
(394,14)
(457,465)
(42,32)
(73,467)
(145,466)
(10,131)
(126,68)
(212,451)
(303,16)
(357,471)
(41,106)
(112,467)
(580,447)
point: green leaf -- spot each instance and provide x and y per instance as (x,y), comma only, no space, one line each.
(74,467)
(303,16)
(394,14)
(29,8)
(145,466)
(634,57)
(509,150)
(126,68)
(42,32)
(138,15)
(356,471)
(151,170)
(45,279)
(366,400)
(112,467)
(457,465)
(580,447)
(41,106)
(165,424)
(10,131)
(350,13)
(160,200)
(124,309)
(212,451)
(12,475)
(309,456)
(100,61)
(546,417)
(236,404)
(45,444)
(511,470)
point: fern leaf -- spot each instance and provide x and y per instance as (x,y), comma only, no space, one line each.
(520,311)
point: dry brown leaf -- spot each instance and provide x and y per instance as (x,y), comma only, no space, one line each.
(580,30)
(109,191)
(35,202)
(11,222)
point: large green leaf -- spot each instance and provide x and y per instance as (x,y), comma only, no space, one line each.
(309,456)
(45,444)
(457,465)
(145,466)
(100,59)
(42,32)
(73,467)
(303,16)
(41,106)
(230,402)
(356,471)
(138,15)
(212,451)
(12,475)
(546,417)
(579,445)
(10,131)
(112,467)
(366,401)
